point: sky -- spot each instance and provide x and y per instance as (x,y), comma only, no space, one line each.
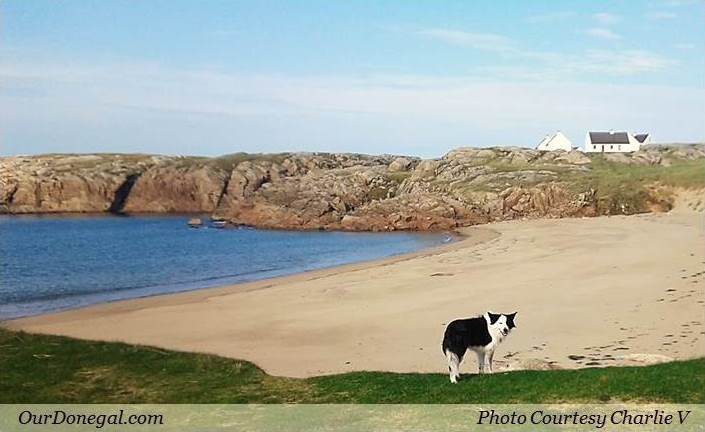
(402,77)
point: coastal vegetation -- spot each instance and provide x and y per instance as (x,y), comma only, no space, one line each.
(54,369)
(638,188)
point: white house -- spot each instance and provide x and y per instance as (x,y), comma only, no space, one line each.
(613,142)
(556,141)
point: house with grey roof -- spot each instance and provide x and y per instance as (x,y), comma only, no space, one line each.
(613,142)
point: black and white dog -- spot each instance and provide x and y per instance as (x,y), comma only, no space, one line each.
(481,334)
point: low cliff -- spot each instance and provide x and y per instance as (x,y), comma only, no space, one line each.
(355,192)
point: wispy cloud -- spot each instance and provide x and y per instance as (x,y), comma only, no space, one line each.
(557,65)
(592,63)
(480,41)
(489,42)
(626,62)
(660,15)
(605,18)
(602,33)
(149,108)
(551,17)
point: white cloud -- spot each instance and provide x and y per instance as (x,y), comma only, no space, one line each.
(560,66)
(602,33)
(591,63)
(490,42)
(660,15)
(151,108)
(551,17)
(480,41)
(605,18)
(628,62)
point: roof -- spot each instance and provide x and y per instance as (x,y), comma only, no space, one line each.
(545,140)
(548,139)
(641,137)
(609,137)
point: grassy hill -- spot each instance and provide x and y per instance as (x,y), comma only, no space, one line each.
(53,369)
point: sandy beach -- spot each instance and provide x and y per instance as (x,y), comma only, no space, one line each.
(620,290)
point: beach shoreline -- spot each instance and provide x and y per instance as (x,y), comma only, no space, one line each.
(468,236)
(389,314)
(215,258)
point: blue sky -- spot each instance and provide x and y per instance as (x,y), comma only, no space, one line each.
(410,77)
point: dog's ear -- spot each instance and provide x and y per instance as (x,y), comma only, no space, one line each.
(493,317)
(510,319)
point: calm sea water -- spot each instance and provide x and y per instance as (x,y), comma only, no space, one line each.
(54,263)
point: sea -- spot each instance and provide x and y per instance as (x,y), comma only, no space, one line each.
(53,263)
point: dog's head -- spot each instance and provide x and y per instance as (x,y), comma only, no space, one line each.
(504,323)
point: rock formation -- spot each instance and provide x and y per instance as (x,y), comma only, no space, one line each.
(352,192)
(172,186)
(68,183)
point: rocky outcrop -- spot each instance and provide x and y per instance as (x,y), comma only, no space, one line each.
(401,164)
(416,212)
(303,191)
(172,186)
(354,192)
(68,183)
(111,183)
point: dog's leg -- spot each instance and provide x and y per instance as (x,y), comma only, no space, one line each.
(453,366)
(457,371)
(489,356)
(480,361)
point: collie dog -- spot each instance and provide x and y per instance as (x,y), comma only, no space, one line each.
(481,334)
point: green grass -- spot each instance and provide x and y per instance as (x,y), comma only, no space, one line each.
(619,187)
(377,193)
(399,176)
(632,188)
(53,369)
(608,174)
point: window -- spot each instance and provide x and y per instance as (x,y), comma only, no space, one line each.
(611,146)
(594,147)
(619,147)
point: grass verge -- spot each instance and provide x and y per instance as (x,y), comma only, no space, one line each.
(629,188)
(54,369)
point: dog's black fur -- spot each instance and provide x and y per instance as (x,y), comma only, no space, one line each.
(481,334)
(461,334)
